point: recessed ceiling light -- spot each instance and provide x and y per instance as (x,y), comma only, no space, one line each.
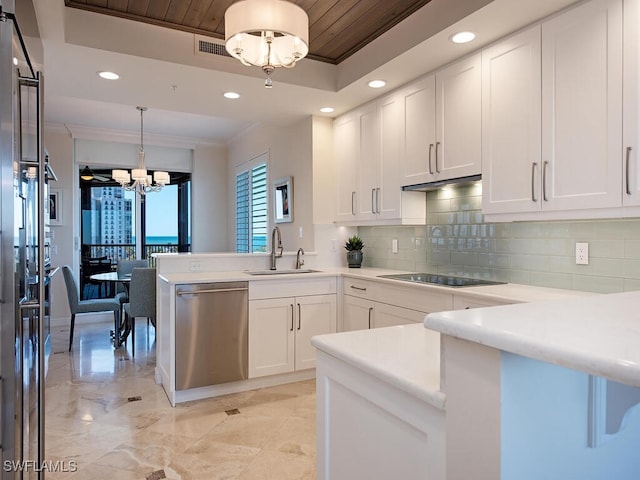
(326,109)
(109,75)
(377,83)
(232,95)
(462,37)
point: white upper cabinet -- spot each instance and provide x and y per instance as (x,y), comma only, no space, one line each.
(442,128)
(345,141)
(419,131)
(459,121)
(511,138)
(368,146)
(582,107)
(368,161)
(553,119)
(631,104)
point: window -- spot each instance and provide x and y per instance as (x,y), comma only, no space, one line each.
(121,224)
(252,207)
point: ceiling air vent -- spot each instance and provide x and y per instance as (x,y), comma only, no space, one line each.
(204,46)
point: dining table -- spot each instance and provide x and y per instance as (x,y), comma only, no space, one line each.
(113,278)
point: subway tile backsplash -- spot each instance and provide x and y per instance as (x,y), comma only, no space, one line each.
(457,241)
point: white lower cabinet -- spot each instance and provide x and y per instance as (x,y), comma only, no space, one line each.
(357,313)
(280,331)
(390,315)
(368,304)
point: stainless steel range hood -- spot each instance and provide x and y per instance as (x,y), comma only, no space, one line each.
(425,187)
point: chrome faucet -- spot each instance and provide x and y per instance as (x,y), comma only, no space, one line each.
(275,255)
(299,261)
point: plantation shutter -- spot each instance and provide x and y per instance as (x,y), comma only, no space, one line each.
(251,210)
(259,214)
(242,212)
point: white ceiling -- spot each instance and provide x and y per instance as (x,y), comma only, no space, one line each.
(183,90)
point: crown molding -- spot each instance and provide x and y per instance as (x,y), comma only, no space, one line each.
(121,136)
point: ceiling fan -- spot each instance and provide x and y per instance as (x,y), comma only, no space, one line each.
(87,175)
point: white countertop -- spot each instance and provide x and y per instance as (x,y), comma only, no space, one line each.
(400,356)
(599,335)
(507,293)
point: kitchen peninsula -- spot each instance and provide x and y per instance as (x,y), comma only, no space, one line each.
(527,391)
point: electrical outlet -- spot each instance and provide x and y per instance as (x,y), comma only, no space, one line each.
(582,253)
(195,266)
(334,245)
(394,245)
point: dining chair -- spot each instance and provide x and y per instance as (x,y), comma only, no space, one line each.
(142,301)
(87,306)
(125,267)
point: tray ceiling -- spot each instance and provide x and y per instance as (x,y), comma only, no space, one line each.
(337,28)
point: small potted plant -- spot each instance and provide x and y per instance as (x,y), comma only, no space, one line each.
(354,251)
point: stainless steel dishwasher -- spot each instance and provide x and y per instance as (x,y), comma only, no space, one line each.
(211,333)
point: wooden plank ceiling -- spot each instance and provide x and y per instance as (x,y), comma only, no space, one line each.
(337,28)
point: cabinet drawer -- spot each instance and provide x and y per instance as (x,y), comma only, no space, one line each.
(359,288)
(291,288)
(462,302)
(419,299)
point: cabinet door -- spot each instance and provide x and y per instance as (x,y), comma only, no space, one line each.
(582,107)
(511,138)
(368,161)
(419,138)
(271,336)
(388,194)
(316,315)
(631,104)
(345,137)
(390,315)
(458,119)
(357,313)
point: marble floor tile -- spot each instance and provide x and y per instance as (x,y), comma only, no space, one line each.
(107,418)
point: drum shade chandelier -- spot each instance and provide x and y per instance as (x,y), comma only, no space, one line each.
(267,34)
(142,182)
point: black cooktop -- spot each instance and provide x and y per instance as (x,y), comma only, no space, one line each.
(446,280)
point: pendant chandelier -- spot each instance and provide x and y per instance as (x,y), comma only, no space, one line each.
(266,34)
(142,182)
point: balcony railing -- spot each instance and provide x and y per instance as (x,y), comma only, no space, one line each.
(127,251)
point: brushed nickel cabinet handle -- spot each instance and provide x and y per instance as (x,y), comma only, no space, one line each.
(437,144)
(370,312)
(628,187)
(358,288)
(430,150)
(534,165)
(299,316)
(378,200)
(291,329)
(373,202)
(353,202)
(544,181)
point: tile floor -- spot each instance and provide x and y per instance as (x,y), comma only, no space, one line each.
(107,419)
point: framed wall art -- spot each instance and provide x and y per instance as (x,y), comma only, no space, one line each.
(55,207)
(283,200)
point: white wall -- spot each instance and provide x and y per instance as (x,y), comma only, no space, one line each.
(59,145)
(125,155)
(290,154)
(209,207)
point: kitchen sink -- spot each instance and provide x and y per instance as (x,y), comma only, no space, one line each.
(280,272)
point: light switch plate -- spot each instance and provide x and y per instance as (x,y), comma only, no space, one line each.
(394,245)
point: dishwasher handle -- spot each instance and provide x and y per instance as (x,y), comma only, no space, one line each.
(218,290)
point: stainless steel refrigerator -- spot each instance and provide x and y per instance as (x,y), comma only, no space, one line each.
(23,256)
